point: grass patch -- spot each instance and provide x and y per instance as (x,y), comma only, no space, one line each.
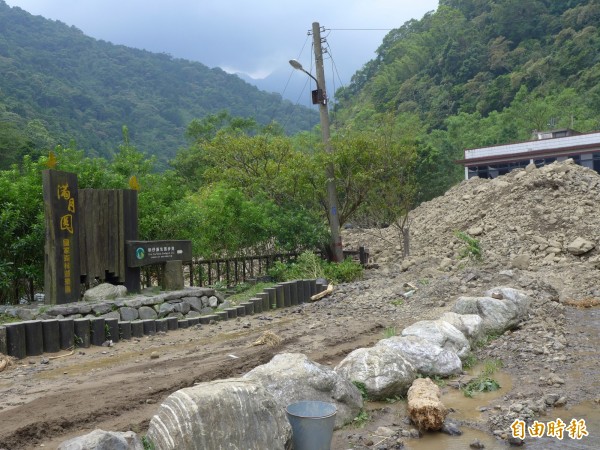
(5,318)
(361,419)
(397,302)
(247,291)
(469,362)
(491,366)
(480,384)
(362,389)
(483,342)
(484,382)
(394,399)
(389,332)
(441,382)
(147,443)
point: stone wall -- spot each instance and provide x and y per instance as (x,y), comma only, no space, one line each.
(104,322)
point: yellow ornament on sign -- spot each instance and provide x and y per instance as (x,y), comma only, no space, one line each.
(51,163)
(133,183)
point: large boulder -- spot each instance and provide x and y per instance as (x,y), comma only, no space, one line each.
(383,370)
(147,313)
(499,314)
(519,298)
(292,377)
(428,358)
(440,333)
(104,440)
(104,291)
(471,325)
(223,414)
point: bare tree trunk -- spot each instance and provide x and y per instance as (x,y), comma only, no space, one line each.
(405,241)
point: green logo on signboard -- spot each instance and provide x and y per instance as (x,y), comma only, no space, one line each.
(140,253)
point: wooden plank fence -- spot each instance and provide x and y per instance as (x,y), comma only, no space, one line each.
(108,219)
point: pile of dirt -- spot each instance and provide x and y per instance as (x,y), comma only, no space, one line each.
(543,220)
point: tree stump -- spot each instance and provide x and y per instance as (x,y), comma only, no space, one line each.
(425,409)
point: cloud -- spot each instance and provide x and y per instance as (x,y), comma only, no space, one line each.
(252,37)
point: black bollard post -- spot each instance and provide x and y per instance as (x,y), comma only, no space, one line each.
(15,338)
(287,294)
(149,327)
(112,328)
(34,338)
(3,342)
(272,299)
(51,335)
(293,293)
(264,296)
(124,330)
(67,334)
(98,332)
(82,332)
(162,325)
(279,296)
(137,328)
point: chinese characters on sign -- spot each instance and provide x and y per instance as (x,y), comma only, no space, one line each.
(66,224)
(143,253)
(556,428)
(61,271)
(155,252)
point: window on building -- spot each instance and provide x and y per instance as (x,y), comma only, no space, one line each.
(544,161)
(596,159)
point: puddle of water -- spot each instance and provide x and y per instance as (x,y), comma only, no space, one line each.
(467,408)
(587,411)
(440,441)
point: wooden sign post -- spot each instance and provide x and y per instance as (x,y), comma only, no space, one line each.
(61,275)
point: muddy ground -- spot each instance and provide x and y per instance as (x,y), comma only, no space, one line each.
(119,388)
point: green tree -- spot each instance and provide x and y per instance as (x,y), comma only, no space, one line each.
(21,231)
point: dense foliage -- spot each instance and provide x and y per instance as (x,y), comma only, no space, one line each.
(472,73)
(236,190)
(59,85)
(481,72)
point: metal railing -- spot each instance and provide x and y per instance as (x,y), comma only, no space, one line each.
(232,271)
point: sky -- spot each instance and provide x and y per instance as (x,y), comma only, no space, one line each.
(256,38)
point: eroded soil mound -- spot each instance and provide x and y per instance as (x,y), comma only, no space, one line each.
(542,220)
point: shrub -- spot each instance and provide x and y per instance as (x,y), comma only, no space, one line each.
(472,248)
(310,265)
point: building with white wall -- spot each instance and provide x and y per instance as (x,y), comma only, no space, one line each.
(549,146)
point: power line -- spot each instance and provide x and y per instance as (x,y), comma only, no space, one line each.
(360,29)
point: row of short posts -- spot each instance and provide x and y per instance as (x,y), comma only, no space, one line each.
(35,337)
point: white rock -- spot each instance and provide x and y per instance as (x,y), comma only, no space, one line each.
(383,370)
(292,377)
(232,414)
(427,358)
(104,291)
(104,440)
(471,325)
(440,333)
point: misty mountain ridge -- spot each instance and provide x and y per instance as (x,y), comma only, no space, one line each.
(74,87)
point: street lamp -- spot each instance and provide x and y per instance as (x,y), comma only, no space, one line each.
(319,96)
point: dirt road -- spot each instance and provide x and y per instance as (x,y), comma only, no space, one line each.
(119,388)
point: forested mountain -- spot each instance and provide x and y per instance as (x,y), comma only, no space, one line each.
(56,84)
(482,72)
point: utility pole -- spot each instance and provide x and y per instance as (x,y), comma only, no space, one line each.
(332,201)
